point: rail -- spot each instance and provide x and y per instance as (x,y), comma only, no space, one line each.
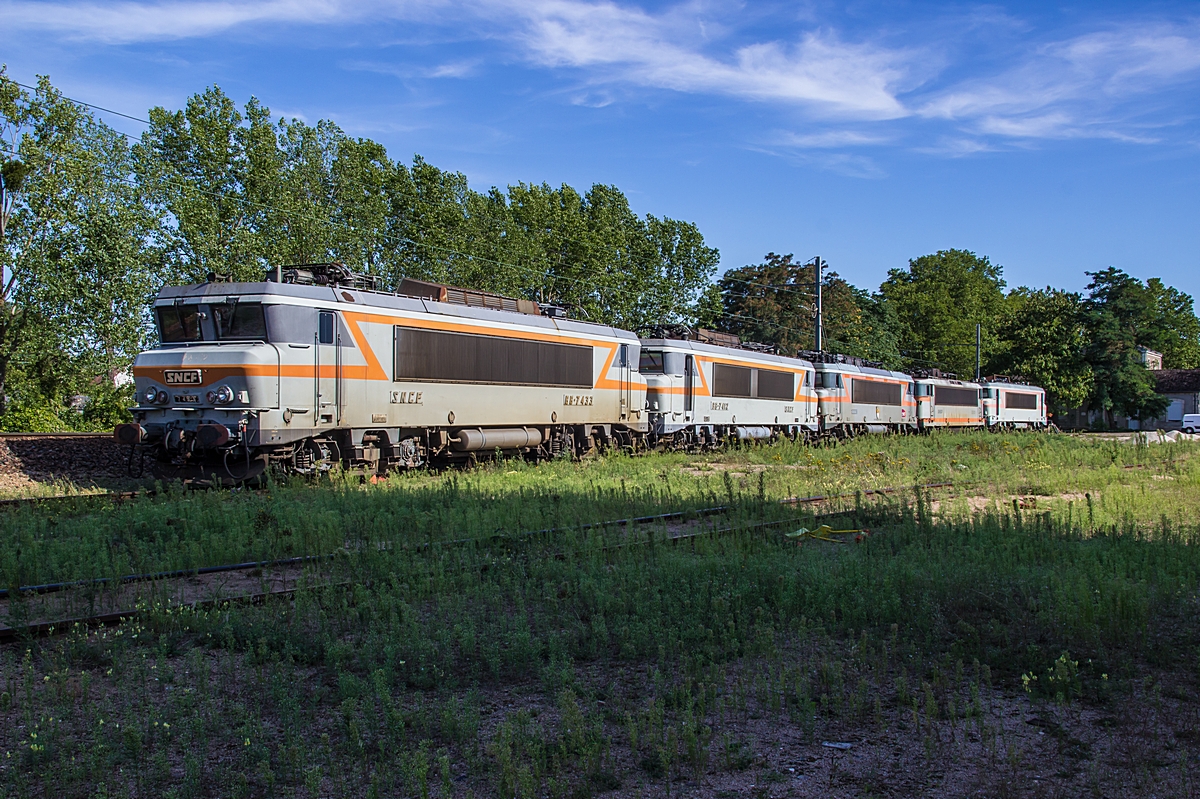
(38,629)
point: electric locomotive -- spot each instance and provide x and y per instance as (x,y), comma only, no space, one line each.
(1012,405)
(704,388)
(943,401)
(856,396)
(314,367)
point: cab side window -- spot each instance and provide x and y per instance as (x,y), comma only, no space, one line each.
(325,328)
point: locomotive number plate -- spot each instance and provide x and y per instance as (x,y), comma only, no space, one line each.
(187,398)
(183,377)
(577,399)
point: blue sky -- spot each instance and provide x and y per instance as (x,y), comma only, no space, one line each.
(1056,139)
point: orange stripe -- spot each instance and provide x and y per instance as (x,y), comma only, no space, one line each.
(373,370)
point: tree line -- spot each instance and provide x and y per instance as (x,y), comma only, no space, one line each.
(1084,348)
(93,222)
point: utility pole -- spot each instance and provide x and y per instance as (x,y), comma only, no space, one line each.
(978,347)
(818,265)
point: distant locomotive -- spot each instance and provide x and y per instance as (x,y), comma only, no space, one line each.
(704,391)
(314,368)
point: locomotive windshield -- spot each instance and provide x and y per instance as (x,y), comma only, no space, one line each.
(179,323)
(231,321)
(651,362)
(243,320)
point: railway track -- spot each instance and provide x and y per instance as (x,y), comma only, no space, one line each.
(294,564)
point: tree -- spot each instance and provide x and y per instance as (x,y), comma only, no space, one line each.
(775,303)
(1173,328)
(938,301)
(194,164)
(1042,335)
(1122,315)
(79,262)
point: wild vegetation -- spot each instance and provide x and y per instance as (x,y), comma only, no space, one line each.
(470,636)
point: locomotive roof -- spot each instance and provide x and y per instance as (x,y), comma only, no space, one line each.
(863,370)
(1008,384)
(949,381)
(349,298)
(716,349)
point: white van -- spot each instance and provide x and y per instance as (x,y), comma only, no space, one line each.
(1191,423)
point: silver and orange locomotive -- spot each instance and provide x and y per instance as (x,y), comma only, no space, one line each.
(315,368)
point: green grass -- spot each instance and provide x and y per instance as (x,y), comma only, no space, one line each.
(623,662)
(182,530)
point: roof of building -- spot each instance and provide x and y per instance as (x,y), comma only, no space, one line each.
(1173,381)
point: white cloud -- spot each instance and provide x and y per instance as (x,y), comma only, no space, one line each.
(124,22)
(830,138)
(627,44)
(611,42)
(450,69)
(1089,86)
(1110,83)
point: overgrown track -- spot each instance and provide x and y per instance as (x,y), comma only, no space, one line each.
(115,496)
(60,626)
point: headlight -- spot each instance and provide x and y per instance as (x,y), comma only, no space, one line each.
(222,396)
(151,395)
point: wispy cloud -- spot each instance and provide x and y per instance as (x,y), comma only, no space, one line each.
(622,43)
(830,138)
(1088,86)
(125,22)
(612,42)
(1111,82)
(449,69)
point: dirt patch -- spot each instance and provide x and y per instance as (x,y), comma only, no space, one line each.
(978,504)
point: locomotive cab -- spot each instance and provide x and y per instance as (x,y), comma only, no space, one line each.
(944,401)
(203,391)
(1009,404)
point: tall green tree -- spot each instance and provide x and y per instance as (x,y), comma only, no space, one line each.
(1042,336)
(938,301)
(1173,328)
(775,303)
(79,261)
(245,192)
(1122,316)
(194,164)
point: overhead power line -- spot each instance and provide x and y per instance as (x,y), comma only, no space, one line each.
(86,105)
